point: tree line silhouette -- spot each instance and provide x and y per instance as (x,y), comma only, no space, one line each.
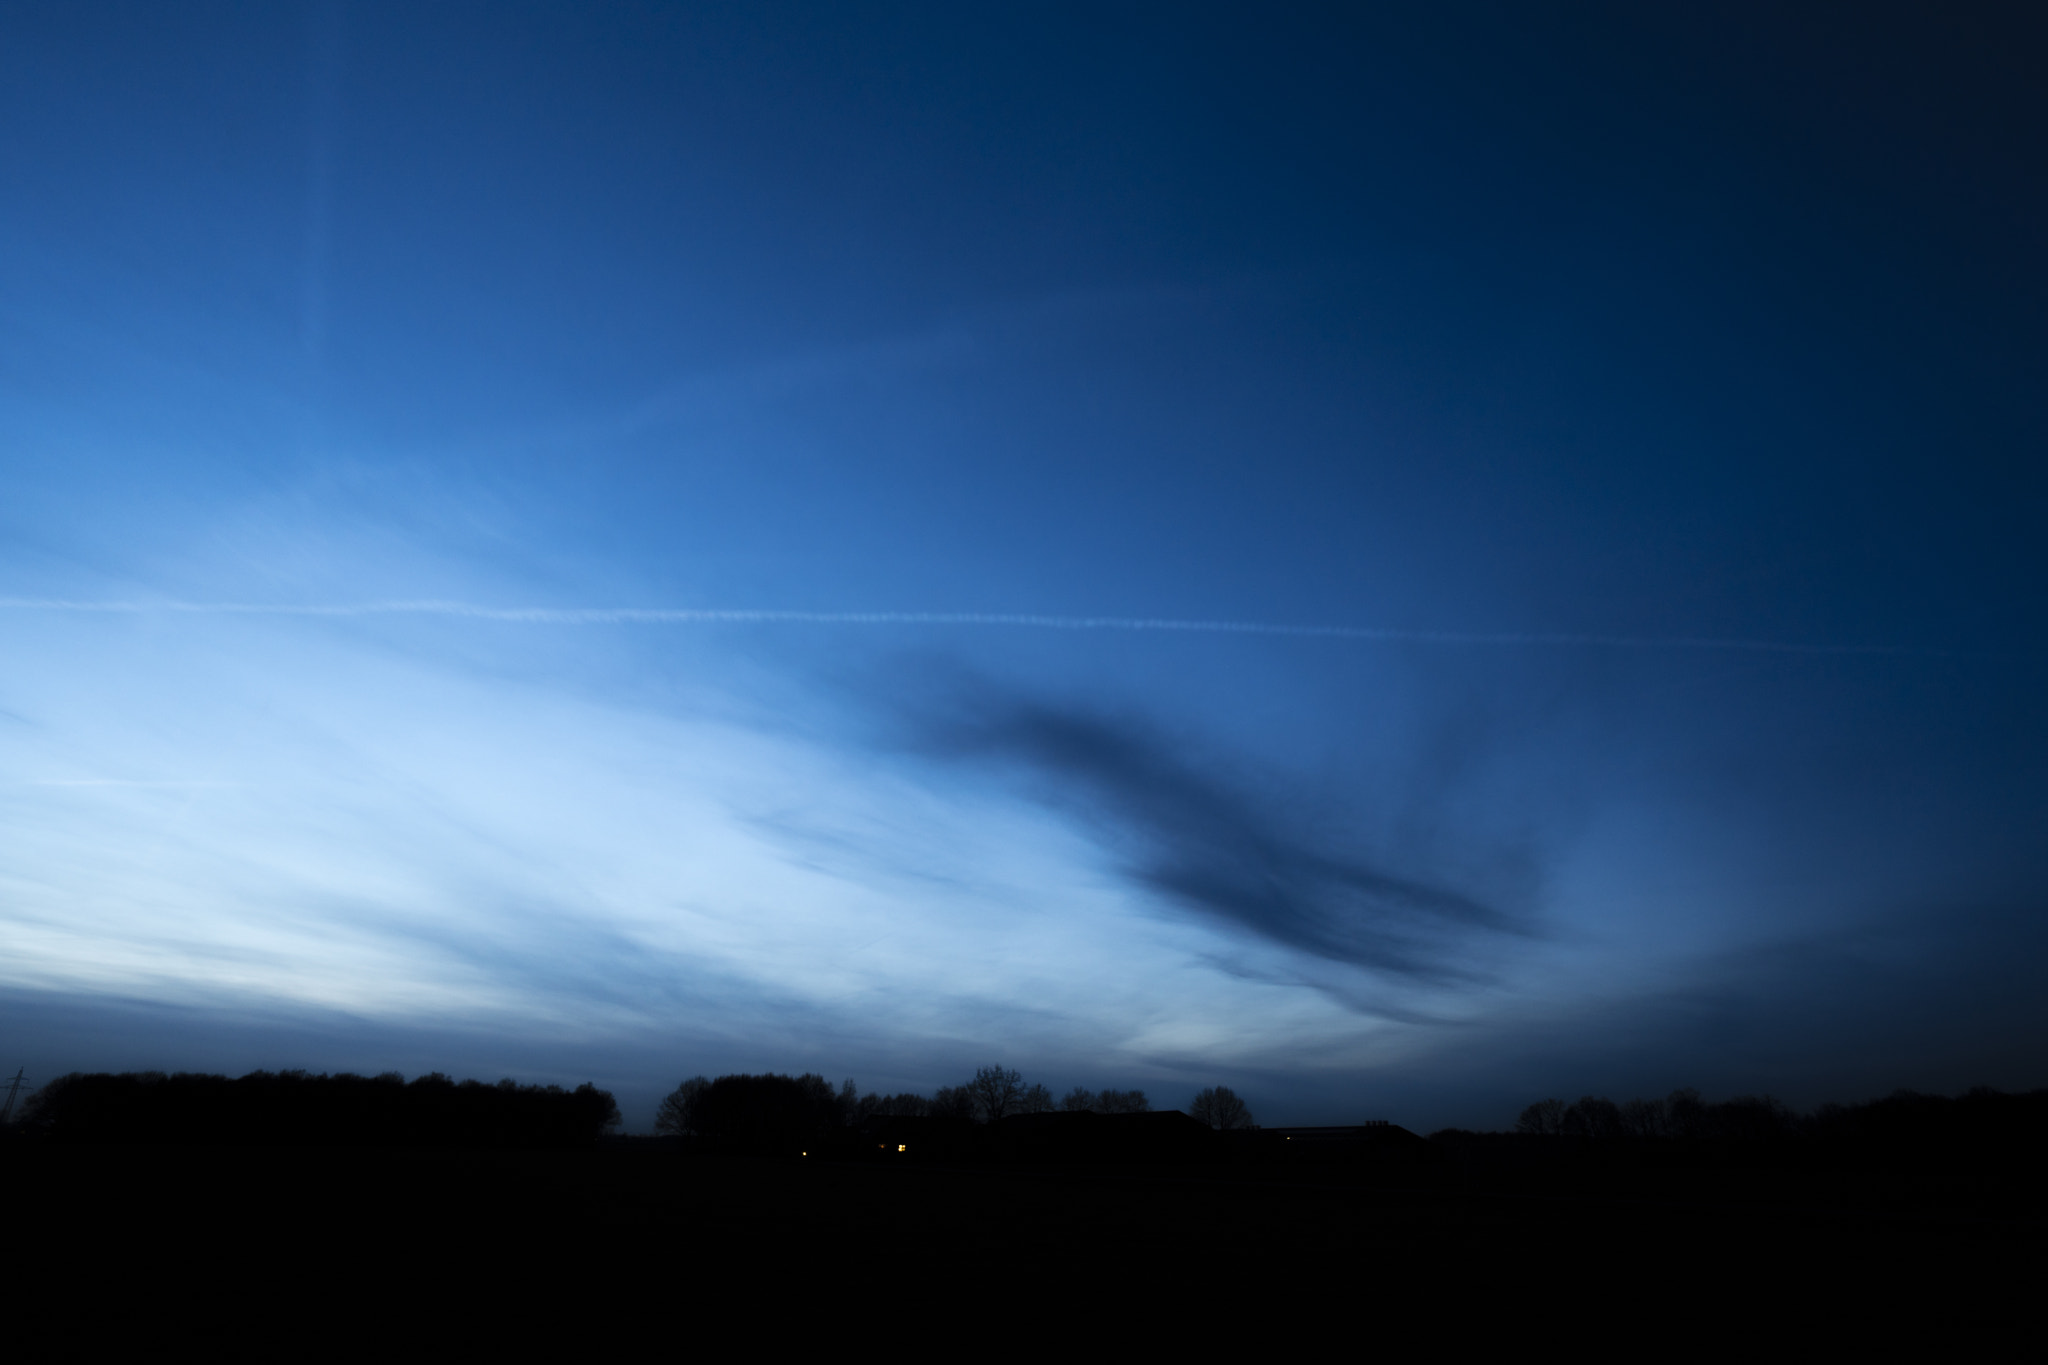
(1980,1115)
(994,1113)
(770,1112)
(775,1111)
(1985,1134)
(294,1108)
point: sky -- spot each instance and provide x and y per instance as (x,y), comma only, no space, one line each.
(1403,560)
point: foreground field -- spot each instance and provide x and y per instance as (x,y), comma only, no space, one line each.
(629,1225)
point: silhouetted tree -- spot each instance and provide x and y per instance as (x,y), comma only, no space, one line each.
(952,1102)
(1035,1100)
(1752,1118)
(293,1108)
(996,1091)
(1643,1118)
(1592,1117)
(593,1098)
(1686,1114)
(905,1105)
(764,1112)
(672,1116)
(1083,1100)
(1221,1109)
(1982,1131)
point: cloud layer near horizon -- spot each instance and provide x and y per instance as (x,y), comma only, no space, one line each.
(250,819)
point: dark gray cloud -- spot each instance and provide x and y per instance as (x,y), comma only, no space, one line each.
(1218,846)
(1938,998)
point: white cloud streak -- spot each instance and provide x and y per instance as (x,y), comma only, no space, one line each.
(120,782)
(682,616)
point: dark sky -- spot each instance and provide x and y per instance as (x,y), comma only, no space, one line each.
(1403,563)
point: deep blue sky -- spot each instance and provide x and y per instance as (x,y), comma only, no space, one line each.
(1655,397)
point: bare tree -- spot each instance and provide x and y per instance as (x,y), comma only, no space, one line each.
(673,1115)
(1221,1109)
(1592,1117)
(1037,1100)
(1643,1118)
(1685,1114)
(952,1102)
(1545,1118)
(1081,1100)
(997,1091)
(1752,1118)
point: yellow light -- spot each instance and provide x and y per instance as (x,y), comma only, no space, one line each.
(902,1147)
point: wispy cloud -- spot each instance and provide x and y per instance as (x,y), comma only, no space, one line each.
(684,616)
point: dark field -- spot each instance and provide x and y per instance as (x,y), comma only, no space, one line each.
(1470,1242)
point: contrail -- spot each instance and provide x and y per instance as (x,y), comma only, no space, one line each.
(605,616)
(122,782)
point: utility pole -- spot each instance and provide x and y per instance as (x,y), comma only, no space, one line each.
(7,1109)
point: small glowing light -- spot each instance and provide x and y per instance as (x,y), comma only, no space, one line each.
(901,1147)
